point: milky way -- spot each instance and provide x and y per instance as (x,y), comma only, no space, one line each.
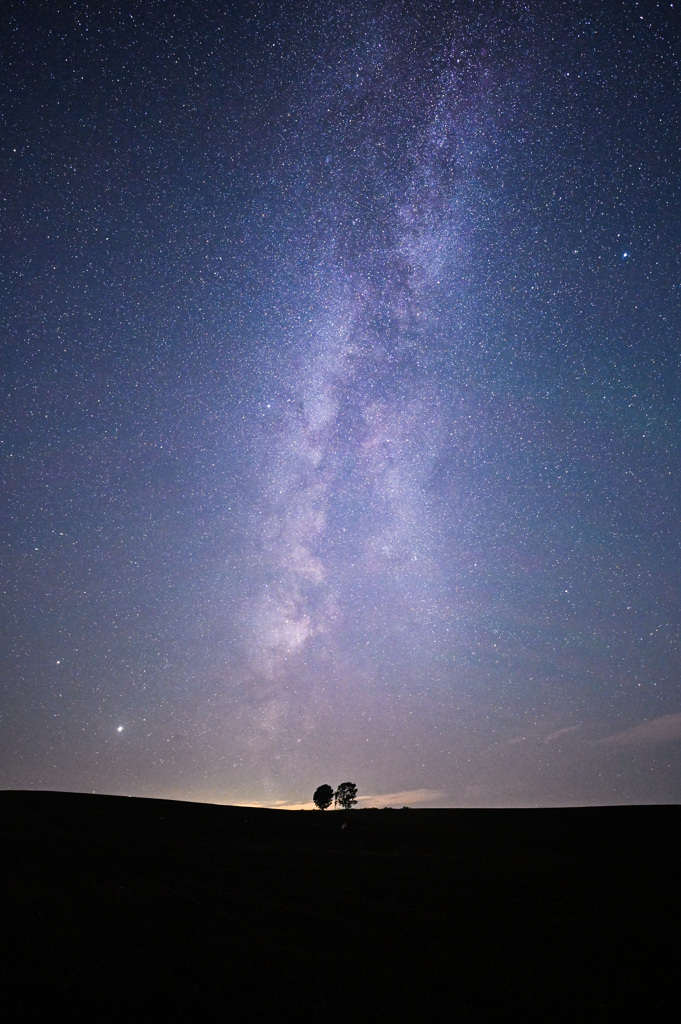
(341,420)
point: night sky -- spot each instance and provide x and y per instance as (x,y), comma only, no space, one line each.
(341,420)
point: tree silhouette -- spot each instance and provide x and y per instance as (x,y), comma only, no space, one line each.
(323,796)
(346,795)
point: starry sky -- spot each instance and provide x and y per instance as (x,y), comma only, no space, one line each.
(339,356)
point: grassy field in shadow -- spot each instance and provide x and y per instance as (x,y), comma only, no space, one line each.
(206,912)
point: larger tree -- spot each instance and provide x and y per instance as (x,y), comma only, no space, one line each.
(323,796)
(346,795)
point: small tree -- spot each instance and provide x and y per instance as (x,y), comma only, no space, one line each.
(323,796)
(346,795)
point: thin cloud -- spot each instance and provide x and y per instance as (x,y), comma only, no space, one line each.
(562,732)
(666,729)
(403,798)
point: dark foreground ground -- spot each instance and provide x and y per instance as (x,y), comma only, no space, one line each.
(113,907)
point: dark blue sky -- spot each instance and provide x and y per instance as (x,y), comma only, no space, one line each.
(339,350)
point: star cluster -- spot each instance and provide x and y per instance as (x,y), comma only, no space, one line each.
(340,374)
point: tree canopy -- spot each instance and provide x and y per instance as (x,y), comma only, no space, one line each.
(346,795)
(323,795)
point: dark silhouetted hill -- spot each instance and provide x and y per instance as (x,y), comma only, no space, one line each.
(206,912)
